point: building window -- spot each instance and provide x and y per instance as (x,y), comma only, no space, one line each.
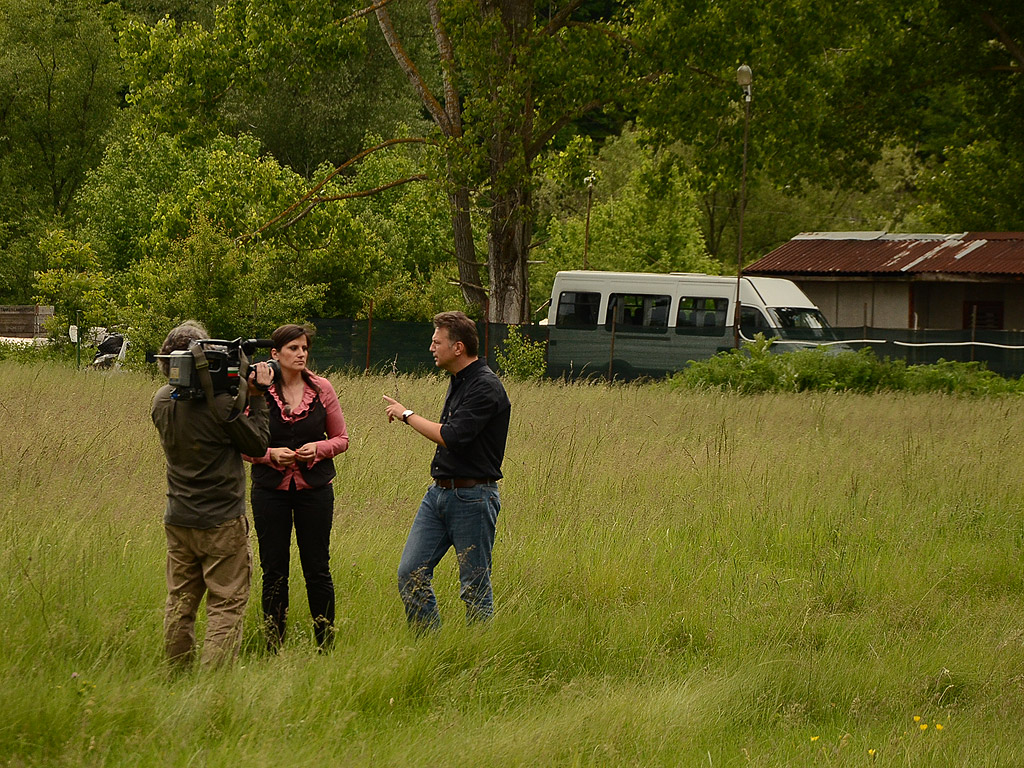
(983,315)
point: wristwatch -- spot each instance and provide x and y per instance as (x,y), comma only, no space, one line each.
(406,414)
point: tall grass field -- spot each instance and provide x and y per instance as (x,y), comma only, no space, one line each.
(681,579)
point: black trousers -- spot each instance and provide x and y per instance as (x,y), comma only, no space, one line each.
(311,511)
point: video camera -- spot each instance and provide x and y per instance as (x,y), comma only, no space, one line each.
(223,362)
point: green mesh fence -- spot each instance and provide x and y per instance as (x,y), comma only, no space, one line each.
(385,346)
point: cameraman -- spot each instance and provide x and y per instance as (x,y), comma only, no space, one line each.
(207,532)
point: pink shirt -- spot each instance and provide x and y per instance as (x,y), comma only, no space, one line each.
(337,434)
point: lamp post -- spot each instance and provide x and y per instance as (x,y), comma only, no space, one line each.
(744,78)
(589,181)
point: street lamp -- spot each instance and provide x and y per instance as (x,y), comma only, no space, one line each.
(589,181)
(744,78)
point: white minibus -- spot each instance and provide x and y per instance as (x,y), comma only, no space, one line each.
(638,324)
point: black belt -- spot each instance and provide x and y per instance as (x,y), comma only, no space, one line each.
(459,482)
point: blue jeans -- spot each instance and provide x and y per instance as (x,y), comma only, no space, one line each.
(464,518)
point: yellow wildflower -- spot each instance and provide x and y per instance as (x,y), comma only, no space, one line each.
(924,726)
(938,726)
(814,738)
(917,718)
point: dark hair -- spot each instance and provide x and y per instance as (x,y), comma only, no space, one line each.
(178,339)
(459,328)
(286,334)
(289,333)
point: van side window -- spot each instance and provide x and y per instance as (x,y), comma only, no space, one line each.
(577,309)
(753,322)
(702,316)
(638,311)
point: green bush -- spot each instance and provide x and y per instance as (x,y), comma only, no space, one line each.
(755,368)
(959,378)
(17,352)
(519,358)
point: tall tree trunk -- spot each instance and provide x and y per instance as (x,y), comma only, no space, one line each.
(508,247)
(511,214)
(448,119)
(465,250)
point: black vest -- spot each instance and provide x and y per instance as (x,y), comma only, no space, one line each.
(293,434)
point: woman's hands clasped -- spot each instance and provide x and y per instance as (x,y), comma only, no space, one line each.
(285,457)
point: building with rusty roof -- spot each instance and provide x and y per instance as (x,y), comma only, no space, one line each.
(973,280)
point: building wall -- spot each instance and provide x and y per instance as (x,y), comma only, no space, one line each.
(24,320)
(942,304)
(847,304)
(1013,296)
(938,305)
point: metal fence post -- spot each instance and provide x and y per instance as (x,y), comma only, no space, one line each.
(369,335)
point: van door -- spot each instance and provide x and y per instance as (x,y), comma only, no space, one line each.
(636,325)
(576,345)
(703,328)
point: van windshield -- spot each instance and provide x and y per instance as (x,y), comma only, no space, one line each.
(803,324)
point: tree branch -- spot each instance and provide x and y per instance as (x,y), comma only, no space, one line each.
(412,74)
(364,12)
(287,211)
(610,33)
(375,190)
(561,18)
(1010,44)
(361,193)
(446,53)
(546,135)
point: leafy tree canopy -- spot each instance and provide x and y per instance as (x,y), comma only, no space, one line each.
(59,92)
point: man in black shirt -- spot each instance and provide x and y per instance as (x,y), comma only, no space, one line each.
(461,508)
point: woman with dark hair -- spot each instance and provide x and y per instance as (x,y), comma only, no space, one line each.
(291,485)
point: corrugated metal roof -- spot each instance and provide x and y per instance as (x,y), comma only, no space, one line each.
(880,253)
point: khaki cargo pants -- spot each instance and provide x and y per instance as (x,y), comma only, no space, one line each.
(213,561)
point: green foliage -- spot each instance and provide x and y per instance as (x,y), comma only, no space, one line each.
(978,188)
(36,352)
(233,290)
(20,258)
(170,223)
(955,378)
(570,169)
(834,84)
(59,91)
(73,282)
(519,358)
(408,230)
(755,368)
(290,73)
(643,219)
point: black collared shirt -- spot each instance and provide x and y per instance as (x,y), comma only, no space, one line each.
(474,425)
